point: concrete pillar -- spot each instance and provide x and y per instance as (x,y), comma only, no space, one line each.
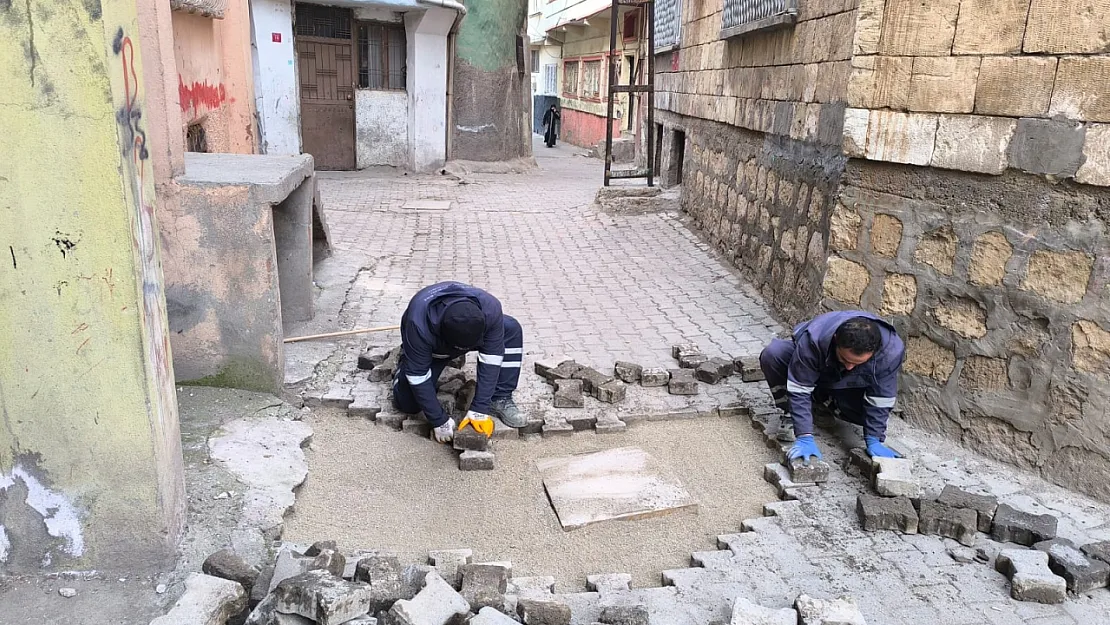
(277,95)
(427,86)
(90,449)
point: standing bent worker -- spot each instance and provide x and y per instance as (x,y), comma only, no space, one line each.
(847,361)
(442,322)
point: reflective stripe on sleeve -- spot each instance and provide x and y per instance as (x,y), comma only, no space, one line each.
(798,389)
(489,359)
(417,380)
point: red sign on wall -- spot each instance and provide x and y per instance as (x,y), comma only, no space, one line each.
(276,37)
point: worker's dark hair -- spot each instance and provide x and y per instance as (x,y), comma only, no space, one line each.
(860,335)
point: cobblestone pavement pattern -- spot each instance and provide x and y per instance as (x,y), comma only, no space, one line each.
(600,288)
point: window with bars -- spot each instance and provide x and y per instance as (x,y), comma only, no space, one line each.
(745,16)
(550,79)
(668,22)
(570,78)
(382,56)
(591,79)
(313,20)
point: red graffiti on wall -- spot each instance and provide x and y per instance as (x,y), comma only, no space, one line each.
(200,96)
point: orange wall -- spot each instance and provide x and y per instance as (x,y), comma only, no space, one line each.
(215,79)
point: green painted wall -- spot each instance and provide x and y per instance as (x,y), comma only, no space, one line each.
(487,37)
(90,462)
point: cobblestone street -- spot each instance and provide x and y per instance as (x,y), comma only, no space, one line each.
(601,287)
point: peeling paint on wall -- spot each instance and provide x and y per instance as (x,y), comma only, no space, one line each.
(59,515)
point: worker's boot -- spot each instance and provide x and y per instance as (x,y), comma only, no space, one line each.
(506,410)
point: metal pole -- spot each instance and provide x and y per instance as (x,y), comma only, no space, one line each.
(614,15)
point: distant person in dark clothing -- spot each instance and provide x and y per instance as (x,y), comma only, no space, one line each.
(551,122)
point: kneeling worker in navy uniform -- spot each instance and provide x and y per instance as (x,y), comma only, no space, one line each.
(442,322)
(847,361)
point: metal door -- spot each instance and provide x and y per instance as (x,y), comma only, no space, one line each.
(325,57)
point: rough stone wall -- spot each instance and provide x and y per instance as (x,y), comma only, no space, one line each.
(998,286)
(764,202)
(491,102)
(983,86)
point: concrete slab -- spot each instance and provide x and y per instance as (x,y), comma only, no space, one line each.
(625,483)
(271,177)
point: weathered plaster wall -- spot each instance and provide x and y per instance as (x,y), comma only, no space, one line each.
(584,129)
(89,441)
(492,99)
(381,128)
(215,77)
(998,285)
(277,95)
(426,33)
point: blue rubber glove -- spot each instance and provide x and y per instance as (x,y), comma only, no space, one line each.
(805,448)
(878,450)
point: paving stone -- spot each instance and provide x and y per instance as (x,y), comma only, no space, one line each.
(225,564)
(608,582)
(984,505)
(372,357)
(465,397)
(383,372)
(628,372)
(611,392)
(779,476)
(1011,525)
(476,461)
(894,478)
(322,597)
(543,368)
(207,600)
(750,371)
(692,361)
(581,421)
(469,439)
(568,394)
(261,586)
(1098,551)
(959,524)
(394,420)
(683,382)
(556,425)
(490,616)
(1081,573)
(1030,577)
(329,560)
(543,611)
(364,407)
(887,513)
(385,578)
(655,377)
(843,611)
(484,585)
(625,615)
(531,586)
(436,604)
(289,563)
(745,612)
(677,351)
(451,387)
(338,397)
(448,561)
(963,555)
(608,424)
(734,409)
(862,462)
(815,472)
(592,379)
(565,371)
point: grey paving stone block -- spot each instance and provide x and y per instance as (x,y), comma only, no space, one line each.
(815,472)
(261,586)
(338,396)
(894,478)
(322,597)
(625,615)
(751,372)
(436,604)
(1030,577)
(713,370)
(1081,573)
(1098,551)
(612,392)
(364,407)
(384,576)
(543,368)
(490,616)
(842,611)
(692,361)
(734,409)
(565,371)
(391,419)
(592,379)
(1011,525)
(608,582)
(683,382)
(484,585)
(469,439)
(984,505)
(533,611)
(959,524)
(684,348)
(207,600)
(887,513)
(779,476)
(963,555)
(372,357)
(608,424)
(745,612)
(861,460)
(531,586)
(554,425)
(568,394)
(655,377)
(628,372)
(450,387)
(448,561)
(581,422)
(476,461)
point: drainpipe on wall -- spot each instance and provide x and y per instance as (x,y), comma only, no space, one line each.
(452,35)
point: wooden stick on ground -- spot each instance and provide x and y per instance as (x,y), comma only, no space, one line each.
(328,335)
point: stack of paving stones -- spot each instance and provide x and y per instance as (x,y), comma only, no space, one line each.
(573,382)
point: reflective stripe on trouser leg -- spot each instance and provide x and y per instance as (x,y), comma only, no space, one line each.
(774,361)
(509,377)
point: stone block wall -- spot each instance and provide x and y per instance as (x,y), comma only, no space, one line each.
(998,286)
(983,86)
